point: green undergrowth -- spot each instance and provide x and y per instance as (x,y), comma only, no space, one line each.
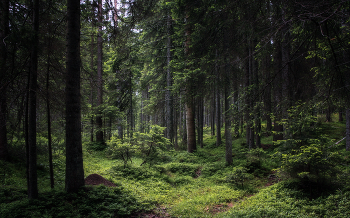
(97,202)
(182,184)
(286,200)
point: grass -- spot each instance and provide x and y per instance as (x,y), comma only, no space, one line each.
(186,185)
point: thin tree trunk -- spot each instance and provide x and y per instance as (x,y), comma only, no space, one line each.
(176,119)
(26,128)
(267,93)
(3,128)
(257,119)
(33,183)
(218,106)
(169,97)
(120,129)
(341,119)
(235,99)
(228,136)
(131,118)
(52,183)
(249,103)
(92,82)
(184,127)
(278,128)
(348,129)
(286,78)
(200,121)
(74,154)
(213,113)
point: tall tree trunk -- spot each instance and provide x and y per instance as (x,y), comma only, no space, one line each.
(74,154)
(99,133)
(267,93)
(191,129)
(3,128)
(168,94)
(257,117)
(176,122)
(285,77)
(130,117)
(92,85)
(278,128)
(341,119)
(329,113)
(200,120)
(120,128)
(190,121)
(249,102)
(26,128)
(4,30)
(33,183)
(228,136)
(213,112)
(348,129)
(235,108)
(218,106)
(52,183)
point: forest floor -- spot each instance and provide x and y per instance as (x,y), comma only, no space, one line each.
(180,184)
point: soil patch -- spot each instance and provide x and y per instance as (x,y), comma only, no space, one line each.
(95,179)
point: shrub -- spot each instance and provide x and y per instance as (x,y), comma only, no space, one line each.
(239,176)
(148,146)
(184,169)
(315,163)
(97,146)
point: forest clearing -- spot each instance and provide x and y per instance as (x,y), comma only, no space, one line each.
(174,108)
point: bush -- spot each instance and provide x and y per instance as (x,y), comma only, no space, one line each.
(147,146)
(97,146)
(184,169)
(239,176)
(315,163)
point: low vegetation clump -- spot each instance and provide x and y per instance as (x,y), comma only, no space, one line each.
(100,201)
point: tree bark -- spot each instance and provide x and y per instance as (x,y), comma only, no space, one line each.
(341,119)
(218,108)
(200,120)
(213,112)
(267,93)
(52,183)
(99,133)
(92,87)
(74,154)
(4,30)
(168,94)
(191,129)
(32,164)
(228,136)
(249,102)
(278,128)
(348,129)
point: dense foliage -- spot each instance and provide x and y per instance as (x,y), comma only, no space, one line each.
(193,108)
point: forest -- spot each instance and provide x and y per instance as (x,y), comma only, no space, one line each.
(174,108)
